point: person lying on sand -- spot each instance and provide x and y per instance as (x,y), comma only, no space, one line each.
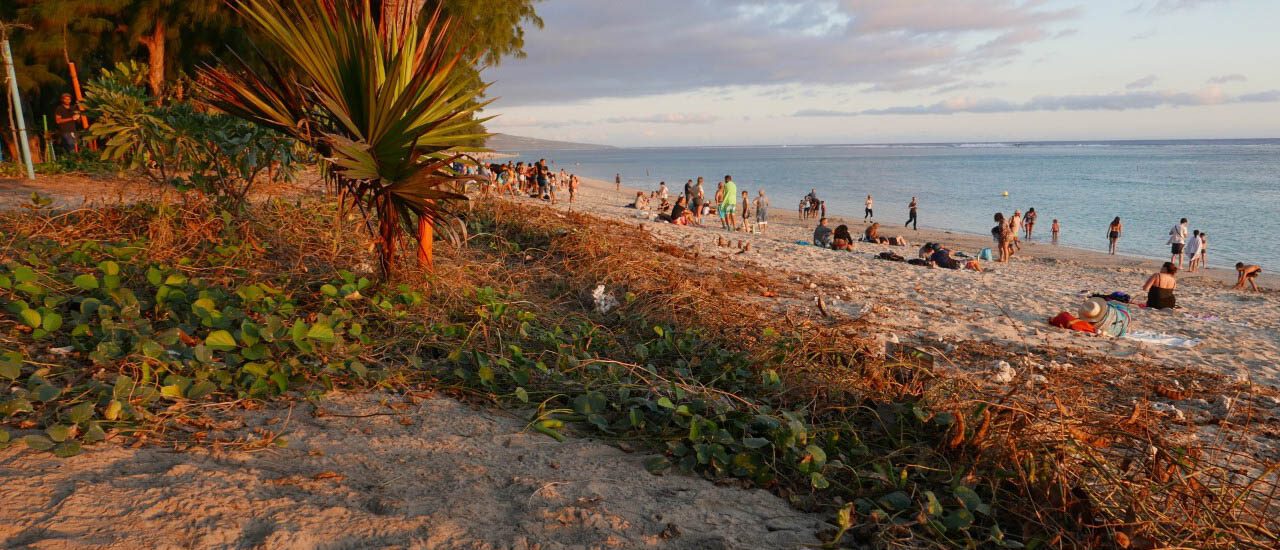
(842,240)
(1160,288)
(872,235)
(1248,274)
(822,234)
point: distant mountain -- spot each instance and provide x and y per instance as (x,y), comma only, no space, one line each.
(504,143)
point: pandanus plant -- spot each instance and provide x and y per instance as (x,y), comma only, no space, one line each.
(377,98)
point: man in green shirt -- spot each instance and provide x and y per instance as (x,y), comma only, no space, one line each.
(730,202)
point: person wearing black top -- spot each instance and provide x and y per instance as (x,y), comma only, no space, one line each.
(66,117)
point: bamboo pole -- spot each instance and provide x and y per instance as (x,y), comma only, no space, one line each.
(17,107)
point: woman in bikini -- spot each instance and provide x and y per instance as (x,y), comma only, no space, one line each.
(1113,234)
(842,240)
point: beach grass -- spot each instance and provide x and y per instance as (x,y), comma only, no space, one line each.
(696,363)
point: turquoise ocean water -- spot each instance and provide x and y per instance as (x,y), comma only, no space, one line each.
(1228,188)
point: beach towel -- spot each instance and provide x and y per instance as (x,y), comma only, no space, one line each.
(1162,339)
(1070,322)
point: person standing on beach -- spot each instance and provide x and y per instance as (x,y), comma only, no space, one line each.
(762,212)
(1015,227)
(911,215)
(718,200)
(1193,251)
(699,198)
(746,211)
(867,213)
(1113,235)
(1177,241)
(1204,250)
(1055,228)
(1000,235)
(1029,222)
(617,181)
(688,192)
(730,202)
(573,188)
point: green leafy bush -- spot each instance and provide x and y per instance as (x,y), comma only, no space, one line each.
(182,142)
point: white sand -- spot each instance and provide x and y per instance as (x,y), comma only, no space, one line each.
(1010,303)
(422,474)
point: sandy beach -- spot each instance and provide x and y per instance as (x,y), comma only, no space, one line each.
(1216,328)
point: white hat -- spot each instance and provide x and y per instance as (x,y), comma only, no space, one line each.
(1093,310)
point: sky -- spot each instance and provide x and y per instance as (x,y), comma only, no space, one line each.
(771,72)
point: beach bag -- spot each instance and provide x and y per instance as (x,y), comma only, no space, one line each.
(985,255)
(1115,323)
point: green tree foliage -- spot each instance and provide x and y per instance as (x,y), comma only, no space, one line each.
(382,103)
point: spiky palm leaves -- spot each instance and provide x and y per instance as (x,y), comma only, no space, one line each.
(378,100)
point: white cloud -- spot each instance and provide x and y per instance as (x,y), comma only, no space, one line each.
(593,49)
(1223,79)
(1212,95)
(1144,82)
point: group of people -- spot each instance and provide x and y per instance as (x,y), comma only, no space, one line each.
(536,180)
(841,239)
(734,209)
(811,206)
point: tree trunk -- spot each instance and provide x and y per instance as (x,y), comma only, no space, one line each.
(395,13)
(155,59)
(387,233)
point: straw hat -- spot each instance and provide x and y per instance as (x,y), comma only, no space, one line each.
(1093,310)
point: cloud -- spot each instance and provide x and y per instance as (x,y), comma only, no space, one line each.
(1082,102)
(1228,78)
(610,49)
(1170,6)
(1144,82)
(662,118)
(1143,35)
(668,118)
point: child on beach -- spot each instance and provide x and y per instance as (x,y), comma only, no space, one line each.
(762,212)
(719,203)
(822,234)
(1113,235)
(1204,249)
(1055,228)
(746,211)
(1193,251)
(1248,274)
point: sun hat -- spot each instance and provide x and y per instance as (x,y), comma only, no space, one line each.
(1093,310)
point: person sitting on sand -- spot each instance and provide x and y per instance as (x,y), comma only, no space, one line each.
(872,233)
(680,214)
(1248,274)
(842,239)
(1160,287)
(822,234)
(640,203)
